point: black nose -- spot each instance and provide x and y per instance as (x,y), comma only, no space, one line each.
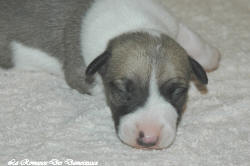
(141,141)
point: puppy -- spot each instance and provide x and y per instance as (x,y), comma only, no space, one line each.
(135,50)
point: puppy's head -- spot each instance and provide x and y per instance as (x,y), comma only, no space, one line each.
(146,80)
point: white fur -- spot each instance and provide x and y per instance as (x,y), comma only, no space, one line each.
(156,112)
(110,18)
(27,58)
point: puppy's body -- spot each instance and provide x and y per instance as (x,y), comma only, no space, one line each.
(139,50)
(34,35)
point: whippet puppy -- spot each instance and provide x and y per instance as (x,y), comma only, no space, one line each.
(141,55)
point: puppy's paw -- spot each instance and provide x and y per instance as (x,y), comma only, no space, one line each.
(211,59)
(76,79)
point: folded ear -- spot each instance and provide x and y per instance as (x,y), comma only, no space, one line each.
(198,71)
(97,63)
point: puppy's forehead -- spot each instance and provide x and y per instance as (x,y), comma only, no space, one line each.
(136,55)
(132,56)
(172,61)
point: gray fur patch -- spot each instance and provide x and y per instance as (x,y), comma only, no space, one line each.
(52,26)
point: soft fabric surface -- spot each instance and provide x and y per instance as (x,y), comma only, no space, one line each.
(42,119)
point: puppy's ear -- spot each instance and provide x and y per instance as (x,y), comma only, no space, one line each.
(97,63)
(198,71)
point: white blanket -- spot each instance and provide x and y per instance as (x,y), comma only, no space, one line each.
(42,119)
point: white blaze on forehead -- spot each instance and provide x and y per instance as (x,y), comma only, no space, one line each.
(156,112)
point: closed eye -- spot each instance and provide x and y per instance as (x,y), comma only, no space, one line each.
(122,90)
(175,93)
(124,96)
(179,91)
(173,90)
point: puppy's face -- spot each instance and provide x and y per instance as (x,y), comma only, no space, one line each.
(146,79)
